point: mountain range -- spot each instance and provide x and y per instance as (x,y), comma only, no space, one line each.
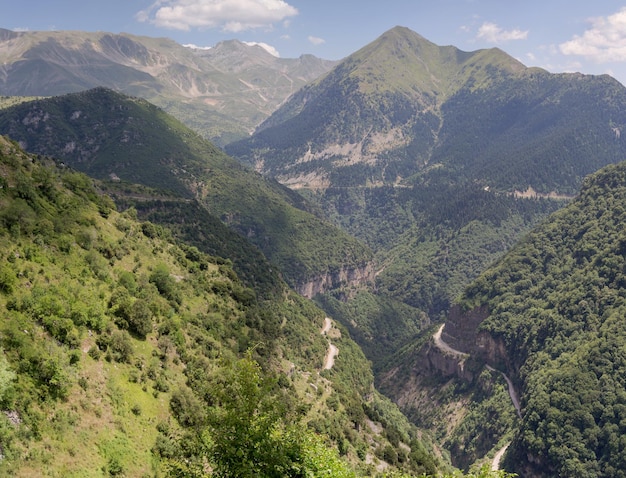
(402,106)
(222,92)
(413,169)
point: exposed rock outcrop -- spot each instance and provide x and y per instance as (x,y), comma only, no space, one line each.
(346,276)
(462,333)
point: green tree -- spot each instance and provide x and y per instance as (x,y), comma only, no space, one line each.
(250,435)
(140,318)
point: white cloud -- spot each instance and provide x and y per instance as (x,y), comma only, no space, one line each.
(604,42)
(196,47)
(268,48)
(316,40)
(229,15)
(494,34)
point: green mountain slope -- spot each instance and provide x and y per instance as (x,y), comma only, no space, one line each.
(436,158)
(374,118)
(402,104)
(118,345)
(553,311)
(110,136)
(535,129)
(223,92)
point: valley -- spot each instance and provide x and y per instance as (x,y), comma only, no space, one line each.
(404,263)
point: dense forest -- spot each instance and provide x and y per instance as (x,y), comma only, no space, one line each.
(557,304)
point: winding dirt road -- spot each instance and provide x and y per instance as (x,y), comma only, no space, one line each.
(495,464)
(329,360)
(333,351)
(512,392)
(445,348)
(327,325)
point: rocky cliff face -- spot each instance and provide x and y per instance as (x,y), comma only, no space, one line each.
(462,333)
(346,276)
(446,364)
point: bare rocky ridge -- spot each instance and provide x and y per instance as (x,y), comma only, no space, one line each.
(225,91)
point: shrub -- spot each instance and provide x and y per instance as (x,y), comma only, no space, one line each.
(187,409)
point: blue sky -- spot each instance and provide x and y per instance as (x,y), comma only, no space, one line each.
(558,35)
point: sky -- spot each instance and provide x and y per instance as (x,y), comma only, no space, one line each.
(558,35)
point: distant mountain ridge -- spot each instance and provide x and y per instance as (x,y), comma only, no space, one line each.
(222,92)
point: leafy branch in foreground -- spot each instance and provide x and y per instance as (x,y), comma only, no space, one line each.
(250,433)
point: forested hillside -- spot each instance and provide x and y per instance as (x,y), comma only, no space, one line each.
(555,323)
(121,350)
(115,137)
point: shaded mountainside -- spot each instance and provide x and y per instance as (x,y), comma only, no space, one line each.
(121,349)
(114,137)
(553,319)
(222,92)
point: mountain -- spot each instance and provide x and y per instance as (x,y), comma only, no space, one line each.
(121,350)
(375,116)
(117,138)
(437,159)
(402,106)
(222,92)
(550,315)
(440,161)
